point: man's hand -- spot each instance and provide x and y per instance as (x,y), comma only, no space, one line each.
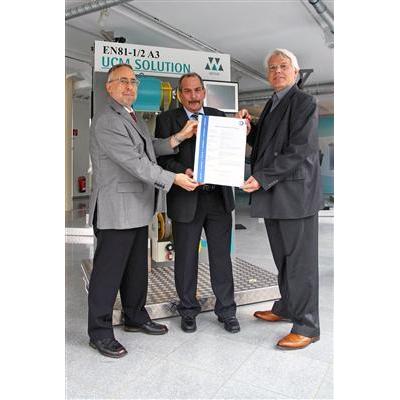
(185,182)
(251,185)
(189,172)
(188,130)
(244,114)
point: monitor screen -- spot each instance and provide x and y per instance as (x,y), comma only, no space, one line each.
(222,95)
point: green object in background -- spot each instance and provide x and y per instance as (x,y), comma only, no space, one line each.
(326,144)
(325,126)
(149,94)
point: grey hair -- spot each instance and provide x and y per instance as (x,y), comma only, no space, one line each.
(284,53)
(115,67)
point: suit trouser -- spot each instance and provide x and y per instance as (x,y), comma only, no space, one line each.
(217,224)
(120,262)
(294,245)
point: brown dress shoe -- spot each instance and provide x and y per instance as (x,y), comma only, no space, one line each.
(293,341)
(269,316)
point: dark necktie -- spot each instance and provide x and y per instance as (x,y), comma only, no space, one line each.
(195,116)
(133,115)
(275,101)
(192,142)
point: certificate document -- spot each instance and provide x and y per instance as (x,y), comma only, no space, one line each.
(220,151)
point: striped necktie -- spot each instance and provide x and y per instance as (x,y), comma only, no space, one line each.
(195,116)
(133,115)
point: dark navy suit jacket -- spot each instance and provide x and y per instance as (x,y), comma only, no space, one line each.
(181,204)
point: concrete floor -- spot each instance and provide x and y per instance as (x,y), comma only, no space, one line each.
(210,363)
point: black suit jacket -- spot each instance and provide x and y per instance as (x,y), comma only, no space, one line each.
(286,159)
(181,204)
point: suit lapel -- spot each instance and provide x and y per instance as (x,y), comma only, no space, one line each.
(265,112)
(181,117)
(137,126)
(272,121)
(124,114)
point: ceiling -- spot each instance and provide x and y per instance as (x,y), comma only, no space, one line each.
(246,29)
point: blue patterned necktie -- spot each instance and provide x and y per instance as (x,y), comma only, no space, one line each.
(195,116)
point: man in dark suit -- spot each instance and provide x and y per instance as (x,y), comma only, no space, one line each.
(208,206)
(122,204)
(285,191)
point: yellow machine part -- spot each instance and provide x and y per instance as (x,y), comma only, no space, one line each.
(166,96)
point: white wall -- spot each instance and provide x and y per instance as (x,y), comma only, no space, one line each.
(69,84)
(80,145)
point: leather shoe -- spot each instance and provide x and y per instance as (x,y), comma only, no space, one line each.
(231,324)
(149,327)
(188,324)
(294,341)
(109,347)
(269,316)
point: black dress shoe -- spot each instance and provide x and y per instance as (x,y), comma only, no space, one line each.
(188,324)
(109,347)
(149,327)
(231,324)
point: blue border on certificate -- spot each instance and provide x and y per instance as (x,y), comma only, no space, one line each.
(202,149)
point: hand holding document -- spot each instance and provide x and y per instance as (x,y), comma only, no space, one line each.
(220,151)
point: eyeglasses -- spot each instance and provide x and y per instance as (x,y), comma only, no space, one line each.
(274,67)
(126,81)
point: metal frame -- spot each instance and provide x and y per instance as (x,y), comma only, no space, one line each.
(253,284)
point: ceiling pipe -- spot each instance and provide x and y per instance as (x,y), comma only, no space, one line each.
(79,60)
(98,5)
(93,6)
(324,12)
(178,34)
(263,95)
(189,39)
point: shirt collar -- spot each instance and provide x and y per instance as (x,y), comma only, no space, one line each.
(189,113)
(281,94)
(129,109)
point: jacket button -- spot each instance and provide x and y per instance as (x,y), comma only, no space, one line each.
(275,154)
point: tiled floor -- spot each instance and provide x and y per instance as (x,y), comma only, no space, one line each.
(210,363)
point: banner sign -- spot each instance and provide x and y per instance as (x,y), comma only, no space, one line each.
(162,61)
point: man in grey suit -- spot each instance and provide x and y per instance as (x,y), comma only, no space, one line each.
(126,191)
(285,191)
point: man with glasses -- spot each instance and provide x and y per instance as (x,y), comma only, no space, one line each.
(285,191)
(208,207)
(126,186)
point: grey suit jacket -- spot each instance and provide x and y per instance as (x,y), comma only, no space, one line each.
(125,172)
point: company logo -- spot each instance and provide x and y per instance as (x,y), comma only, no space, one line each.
(213,64)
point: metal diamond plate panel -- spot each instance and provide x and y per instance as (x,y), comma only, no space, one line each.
(252,284)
